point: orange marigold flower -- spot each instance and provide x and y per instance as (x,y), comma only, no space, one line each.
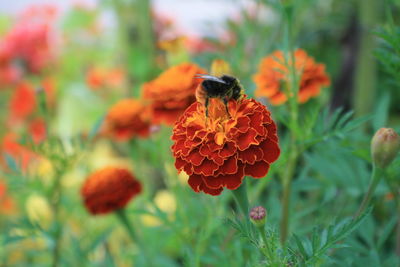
(98,78)
(273,75)
(218,151)
(172,92)
(128,118)
(109,189)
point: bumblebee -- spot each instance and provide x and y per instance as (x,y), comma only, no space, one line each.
(225,88)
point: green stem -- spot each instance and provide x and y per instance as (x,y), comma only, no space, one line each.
(365,76)
(56,197)
(292,94)
(269,253)
(287,184)
(375,178)
(242,201)
(121,214)
(398,230)
(137,39)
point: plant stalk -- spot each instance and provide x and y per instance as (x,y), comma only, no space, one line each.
(121,214)
(292,94)
(56,192)
(375,178)
(241,199)
(287,184)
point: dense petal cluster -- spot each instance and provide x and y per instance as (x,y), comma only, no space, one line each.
(109,189)
(273,76)
(218,151)
(172,92)
(128,118)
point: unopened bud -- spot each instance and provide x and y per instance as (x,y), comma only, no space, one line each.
(384,147)
(258,216)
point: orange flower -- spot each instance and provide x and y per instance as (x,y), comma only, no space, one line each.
(6,202)
(98,78)
(23,101)
(172,92)
(109,189)
(218,151)
(273,74)
(20,154)
(128,118)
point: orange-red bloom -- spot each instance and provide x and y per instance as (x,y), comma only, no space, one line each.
(172,92)
(109,189)
(218,151)
(128,118)
(274,76)
(23,102)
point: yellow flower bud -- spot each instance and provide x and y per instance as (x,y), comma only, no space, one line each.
(39,211)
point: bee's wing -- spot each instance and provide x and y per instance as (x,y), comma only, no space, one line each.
(209,77)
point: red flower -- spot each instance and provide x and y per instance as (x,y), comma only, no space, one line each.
(273,75)
(218,151)
(128,118)
(6,202)
(109,189)
(172,92)
(9,74)
(23,102)
(38,131)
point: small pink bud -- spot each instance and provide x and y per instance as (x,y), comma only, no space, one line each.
(384,147)
(258,216)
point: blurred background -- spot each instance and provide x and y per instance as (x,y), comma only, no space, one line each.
(65,64)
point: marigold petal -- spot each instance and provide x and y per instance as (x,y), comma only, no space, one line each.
(271,150)
(257,170)
(230,181)
(195,181)
(207,168)
(228,150)
(195,157)
(246,139)
(219,138)
(251,155)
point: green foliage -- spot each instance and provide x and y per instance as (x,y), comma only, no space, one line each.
(314,250)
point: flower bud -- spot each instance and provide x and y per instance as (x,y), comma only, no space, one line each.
(257,216)
(39,210)
(384,147)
